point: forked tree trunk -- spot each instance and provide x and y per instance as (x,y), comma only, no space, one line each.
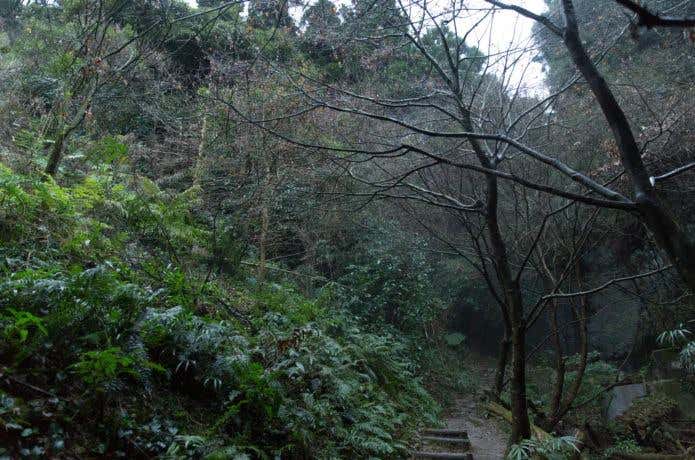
(561,402)
(513,306)
(565,406)
(66,129)
(521,426)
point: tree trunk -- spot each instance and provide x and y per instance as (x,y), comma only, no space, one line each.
(559,385)
(56,154)
(573,392)
(502,361)
(538,432)
(669,235)
(521,427)
(262,243)
(513,306)
(65,131)
(198,168)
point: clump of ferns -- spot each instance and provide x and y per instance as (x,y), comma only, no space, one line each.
(89,308)
(384,358)
(199,352)
(681,340)
(334,390)
(549,447)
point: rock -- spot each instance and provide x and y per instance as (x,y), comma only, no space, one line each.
(622,397)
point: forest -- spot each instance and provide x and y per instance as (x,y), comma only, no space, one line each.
(347,229)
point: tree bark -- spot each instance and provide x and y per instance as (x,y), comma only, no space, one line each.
(56,154)
(262,243)
(502,361)
(198,168)
(521,427)
(65,131)
(513,307)
(573,392)
(559,406)
(498,409)
(559,385)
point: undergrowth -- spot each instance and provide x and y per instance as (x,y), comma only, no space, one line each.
(121,338)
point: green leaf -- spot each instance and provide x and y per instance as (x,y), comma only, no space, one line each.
(454,339)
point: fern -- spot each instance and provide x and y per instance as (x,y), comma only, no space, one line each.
(105,295)
(550,447)
(675,336)
(680,338)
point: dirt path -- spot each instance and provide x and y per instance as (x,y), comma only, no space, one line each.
(488,440)
(487,434)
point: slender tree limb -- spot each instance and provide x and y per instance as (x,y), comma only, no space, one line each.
(557,30)
(673,173)
(649,19)
(551,161)
(566,295)
(624,205)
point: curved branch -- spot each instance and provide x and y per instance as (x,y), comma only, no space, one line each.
(670,174)
(554,28)
(649,19)
(562,295)
(623,204)
(551,161)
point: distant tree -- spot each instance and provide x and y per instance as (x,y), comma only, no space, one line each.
(267,14)
(102,52)
(9,17)
(320,36)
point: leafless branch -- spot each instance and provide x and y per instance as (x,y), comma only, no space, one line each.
(557,30)
(562,295)
(649,19)
(670,174)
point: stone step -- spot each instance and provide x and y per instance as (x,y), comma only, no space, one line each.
(422,455)
(445,433)
(446,440)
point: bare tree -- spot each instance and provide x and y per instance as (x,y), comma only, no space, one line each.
(647,204)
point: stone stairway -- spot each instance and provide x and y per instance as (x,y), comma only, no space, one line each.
(443,444)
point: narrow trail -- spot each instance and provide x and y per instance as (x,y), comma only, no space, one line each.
(469,432)
(488,440)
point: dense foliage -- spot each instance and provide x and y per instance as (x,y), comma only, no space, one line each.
(283,229)
(100,331)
